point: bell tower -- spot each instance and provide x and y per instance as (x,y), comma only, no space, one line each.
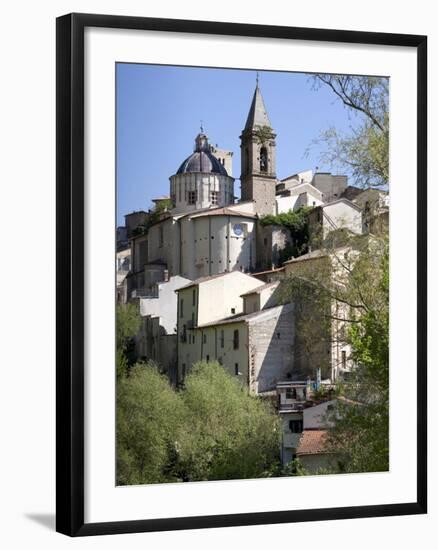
(258,167)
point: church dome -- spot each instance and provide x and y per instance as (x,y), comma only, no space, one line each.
(202,159)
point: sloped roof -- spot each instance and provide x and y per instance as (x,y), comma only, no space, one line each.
(309,256)
(207,278)
(257,115)
(242,317)
(267,272)
(345,201)
(223,212)
(259,289)
(351,192)
(312,442)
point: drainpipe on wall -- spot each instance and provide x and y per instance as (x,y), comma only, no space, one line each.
(209,245)
(228,244)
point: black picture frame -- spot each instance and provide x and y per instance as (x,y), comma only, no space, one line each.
(70,273)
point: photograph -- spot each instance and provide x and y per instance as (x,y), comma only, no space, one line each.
(251,244)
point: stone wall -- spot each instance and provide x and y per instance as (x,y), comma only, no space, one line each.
(271,349)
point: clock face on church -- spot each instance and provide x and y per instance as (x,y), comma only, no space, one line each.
(238,229)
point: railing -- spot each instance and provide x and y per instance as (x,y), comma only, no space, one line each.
(144,293)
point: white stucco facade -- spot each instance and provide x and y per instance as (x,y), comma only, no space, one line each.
(257,348)
(296,195)
(339,214)
(194,191)
(164,305)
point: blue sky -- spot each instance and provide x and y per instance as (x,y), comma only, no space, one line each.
(159,109)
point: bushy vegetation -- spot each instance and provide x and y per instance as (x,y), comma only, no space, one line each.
(128,322)
(297,223)
(211,429)
(153,216)
(351,286)
(361,431)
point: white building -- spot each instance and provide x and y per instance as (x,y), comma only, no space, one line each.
(123,266)
(256,346)
(338,214)
(262,297)
(157,338)
(293,194)
(300,415)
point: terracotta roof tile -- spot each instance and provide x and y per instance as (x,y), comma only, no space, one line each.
(312,442)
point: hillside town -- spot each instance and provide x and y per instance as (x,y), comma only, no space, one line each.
(210,276)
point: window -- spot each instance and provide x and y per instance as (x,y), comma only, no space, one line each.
(263,160)
(236,369)
(204,338)
(193,197)
(160,236)
(214,197)
(208,358)
(291,393)
(194,297)
(236,339)
(344,359)
(181,308)
(233,310)
(222,339)
(193,319)
(278,336)
(193,339)
(296,426)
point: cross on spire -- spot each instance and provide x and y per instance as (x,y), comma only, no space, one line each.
(257,79)
(202,126)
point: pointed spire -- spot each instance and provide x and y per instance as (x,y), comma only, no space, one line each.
(257,115)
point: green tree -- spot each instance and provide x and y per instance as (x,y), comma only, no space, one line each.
(211,429)
(364,152)
(149,417)
(343,297)
(230,434)
(361,429)
(128,323)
